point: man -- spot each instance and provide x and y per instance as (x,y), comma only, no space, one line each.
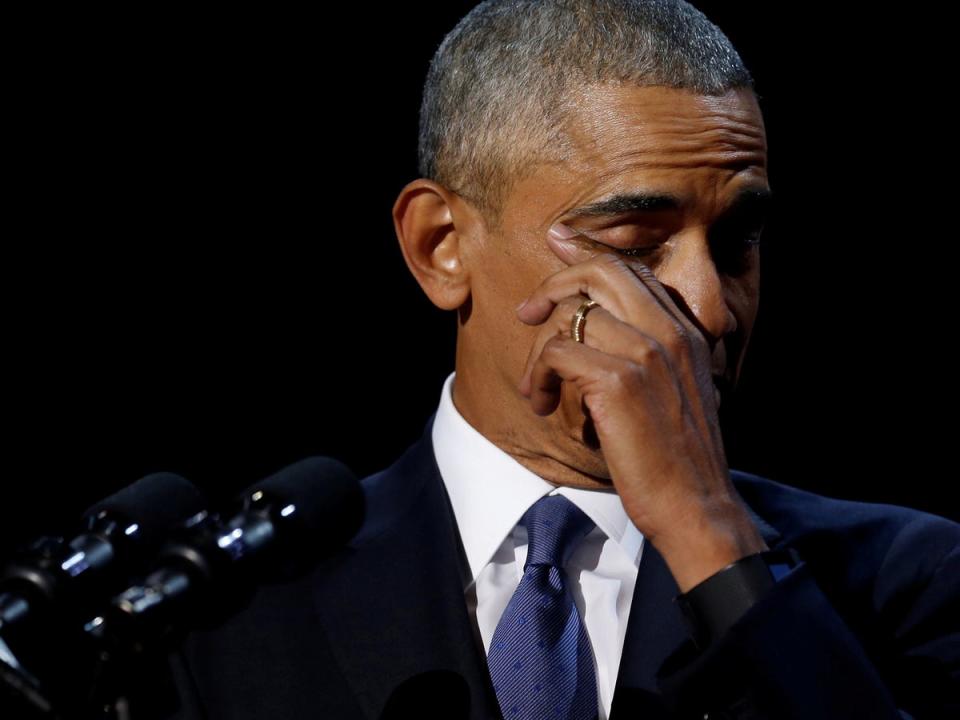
(567,540)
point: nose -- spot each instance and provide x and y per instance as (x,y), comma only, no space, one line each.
(696,286)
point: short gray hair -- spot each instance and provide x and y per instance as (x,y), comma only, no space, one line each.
(494,99)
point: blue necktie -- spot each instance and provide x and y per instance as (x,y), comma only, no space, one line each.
(540,659)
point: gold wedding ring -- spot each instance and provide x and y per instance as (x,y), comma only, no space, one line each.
(579,319)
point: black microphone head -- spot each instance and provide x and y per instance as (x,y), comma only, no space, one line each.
(154,504)
(320,499)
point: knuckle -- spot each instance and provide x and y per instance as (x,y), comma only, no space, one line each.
(624,377)
(554,345)
(608,265)
(563,314)
(607,260)
(650,351)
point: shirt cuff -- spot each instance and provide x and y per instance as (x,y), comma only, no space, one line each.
(715,604)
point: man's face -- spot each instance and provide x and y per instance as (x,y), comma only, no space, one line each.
(679,176)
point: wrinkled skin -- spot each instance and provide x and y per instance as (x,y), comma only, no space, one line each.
(634,407)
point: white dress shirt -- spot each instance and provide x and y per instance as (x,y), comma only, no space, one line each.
(490,491)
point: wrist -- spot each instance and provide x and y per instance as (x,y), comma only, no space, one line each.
(714,605)
(701,546)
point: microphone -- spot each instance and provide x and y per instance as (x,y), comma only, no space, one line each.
(431,695)
(285,521)
(47,592)
(54,574)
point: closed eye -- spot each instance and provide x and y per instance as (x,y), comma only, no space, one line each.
(730,244)
(632,251)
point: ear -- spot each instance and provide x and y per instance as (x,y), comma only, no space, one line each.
(431,223)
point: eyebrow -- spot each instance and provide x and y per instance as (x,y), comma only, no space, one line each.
(753,200)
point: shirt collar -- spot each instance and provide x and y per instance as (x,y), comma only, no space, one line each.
(490,491)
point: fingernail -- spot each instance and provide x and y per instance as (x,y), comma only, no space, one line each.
(562,232)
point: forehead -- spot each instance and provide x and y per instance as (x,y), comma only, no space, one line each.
(623,140)
(665,127)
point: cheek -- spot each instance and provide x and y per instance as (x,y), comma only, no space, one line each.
(508,271)
(504,273)
(496,291)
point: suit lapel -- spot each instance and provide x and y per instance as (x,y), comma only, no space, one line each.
(393,605)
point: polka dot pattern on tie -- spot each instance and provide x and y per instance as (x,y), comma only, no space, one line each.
(540,658)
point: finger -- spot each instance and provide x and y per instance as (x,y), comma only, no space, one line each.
(559,323)
(659,316)
(589,369)
(582,247)
(608,280)
(562,358)
(601,330)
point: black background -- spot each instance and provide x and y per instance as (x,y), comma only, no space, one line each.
(202,275)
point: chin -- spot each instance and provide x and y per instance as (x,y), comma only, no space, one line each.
(580,444)
(592,458)
(581,451)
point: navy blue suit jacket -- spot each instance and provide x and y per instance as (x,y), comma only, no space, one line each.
(868,626)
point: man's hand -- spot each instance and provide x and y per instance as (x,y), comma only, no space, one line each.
(645,379)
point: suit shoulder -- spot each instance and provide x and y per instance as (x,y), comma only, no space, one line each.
(821,523)
(394,491)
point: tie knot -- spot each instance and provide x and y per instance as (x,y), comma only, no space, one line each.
(554,526)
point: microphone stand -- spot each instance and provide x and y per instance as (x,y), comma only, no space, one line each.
(105,680)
